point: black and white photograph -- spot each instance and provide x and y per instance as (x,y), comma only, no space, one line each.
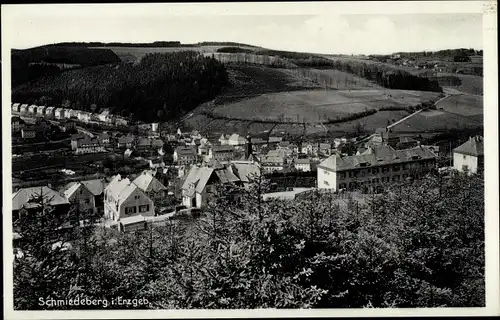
(233,157)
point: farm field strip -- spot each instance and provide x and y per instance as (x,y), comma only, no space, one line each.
(314,105)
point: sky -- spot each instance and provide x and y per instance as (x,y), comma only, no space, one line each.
(327,31)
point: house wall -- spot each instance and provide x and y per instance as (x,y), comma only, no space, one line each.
(460,160)
(83,198)
(137,199)
(327,179)
(370,176)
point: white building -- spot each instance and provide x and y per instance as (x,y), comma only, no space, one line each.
(59,113)
(41,110)
(32,109)
(124,199)
(302,164)
(470,155)
(373,168)
(50,112)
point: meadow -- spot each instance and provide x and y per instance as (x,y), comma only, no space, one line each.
(465,105)
(318,106)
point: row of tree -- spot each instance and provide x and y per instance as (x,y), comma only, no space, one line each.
(462,52)
(70,55)
(418,244)
(387,76)
(160,87)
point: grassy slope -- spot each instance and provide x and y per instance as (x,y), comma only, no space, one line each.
(471,84)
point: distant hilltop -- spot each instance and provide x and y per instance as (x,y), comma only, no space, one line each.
(155,44)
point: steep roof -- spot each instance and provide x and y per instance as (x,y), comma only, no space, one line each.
(245,171)
(147,183)
(473,147)
(199,177)
(71,189)
(121,188)
(24,196)
(95,186)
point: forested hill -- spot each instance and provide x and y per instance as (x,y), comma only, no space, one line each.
(160,87)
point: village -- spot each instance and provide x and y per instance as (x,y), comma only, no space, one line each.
(166,175)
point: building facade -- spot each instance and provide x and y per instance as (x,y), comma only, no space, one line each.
(469,156)
(124,199)
(374,168)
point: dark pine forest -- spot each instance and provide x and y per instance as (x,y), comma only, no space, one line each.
(159,87)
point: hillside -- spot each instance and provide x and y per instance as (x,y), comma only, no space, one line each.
(160,87)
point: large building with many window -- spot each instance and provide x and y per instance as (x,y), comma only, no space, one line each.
(374,167)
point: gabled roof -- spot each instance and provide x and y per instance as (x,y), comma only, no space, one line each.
(225,175)
(245,171)
(473,147)
(24,196)
(71,188)
(147,183)
(121,188)
(96,186)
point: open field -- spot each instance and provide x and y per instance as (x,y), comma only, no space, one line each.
(318,106)
(437,120)
(469,83)
(465,105)
(334,79)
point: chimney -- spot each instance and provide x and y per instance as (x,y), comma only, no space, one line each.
(248,147)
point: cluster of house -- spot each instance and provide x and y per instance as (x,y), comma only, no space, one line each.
(271,152)
(83,144)
(120,200)
(27,130)
(128,201)
(57,113)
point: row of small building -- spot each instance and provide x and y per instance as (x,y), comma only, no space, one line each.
(59,113)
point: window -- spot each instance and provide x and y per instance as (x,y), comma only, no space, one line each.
(136,197)
(395,168)
(144,208)
(385,169)
(130,210)
(465,156)
(342,186)
(342,175)
(362,173)
(395,178)
(405,166)
(375,170)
